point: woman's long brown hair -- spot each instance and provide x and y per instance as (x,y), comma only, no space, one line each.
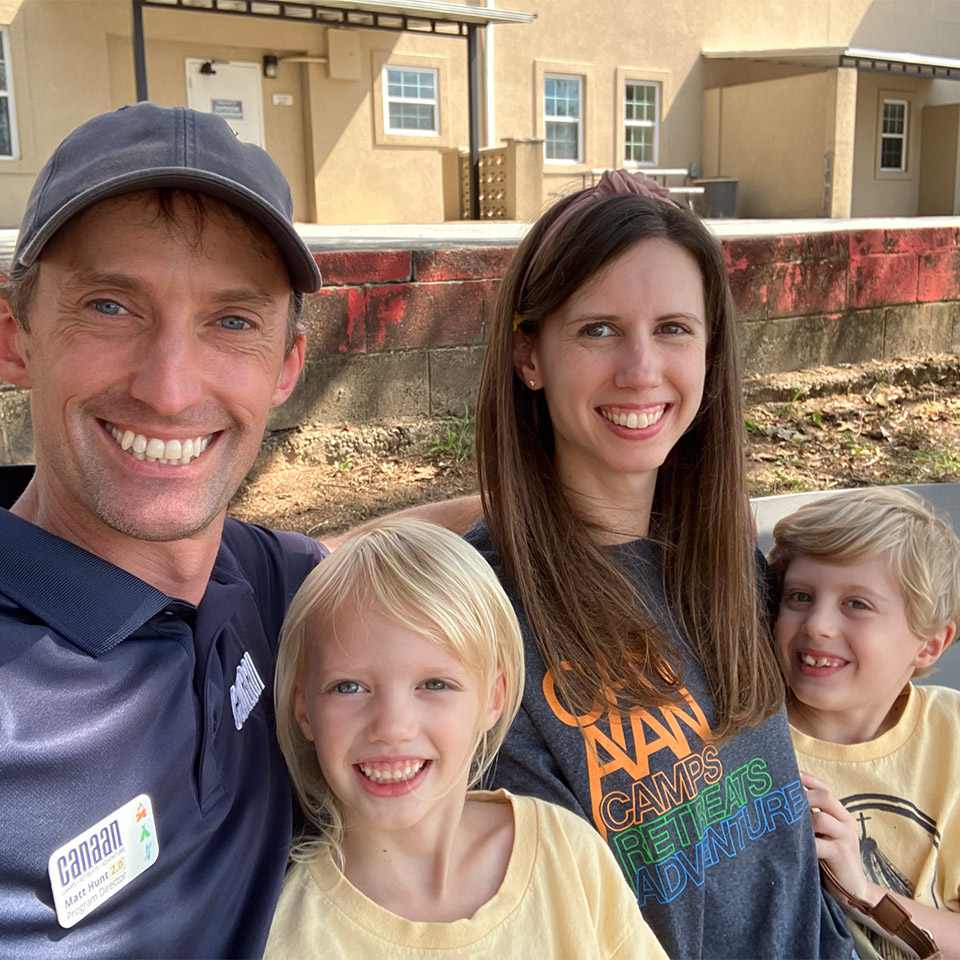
(600,640)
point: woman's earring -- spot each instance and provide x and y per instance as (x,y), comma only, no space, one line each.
(532,383)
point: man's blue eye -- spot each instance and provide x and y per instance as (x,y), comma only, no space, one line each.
(109,307)
(234,323)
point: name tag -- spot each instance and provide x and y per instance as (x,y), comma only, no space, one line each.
(103,859)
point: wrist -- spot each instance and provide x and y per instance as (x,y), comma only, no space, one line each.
(873,893)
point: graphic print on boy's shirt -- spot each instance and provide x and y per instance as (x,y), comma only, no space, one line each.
(688,813)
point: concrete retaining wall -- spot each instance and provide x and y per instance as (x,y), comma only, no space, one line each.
(398,335)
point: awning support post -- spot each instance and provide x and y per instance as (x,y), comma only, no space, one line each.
(139,52)
(473,75)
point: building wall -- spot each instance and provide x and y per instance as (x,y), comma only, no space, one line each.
(57,85)
(879,193)
(940,161)
(72,59)
(341,169)
(930,26)
(598,42)
(771,136)
(363,175)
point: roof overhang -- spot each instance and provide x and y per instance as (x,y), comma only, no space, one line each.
(434,10)
(879,61)
(410,15)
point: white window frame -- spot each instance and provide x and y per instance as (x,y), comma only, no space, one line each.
(902,137)
(6,93)
(550,118)
(655,123)
(387,100)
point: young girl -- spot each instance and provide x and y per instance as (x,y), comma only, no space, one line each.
(609,438)
(399,672)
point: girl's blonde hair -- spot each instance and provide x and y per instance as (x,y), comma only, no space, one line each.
(856,526)
(423,578)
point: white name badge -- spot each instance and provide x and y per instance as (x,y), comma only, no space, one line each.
(93,866)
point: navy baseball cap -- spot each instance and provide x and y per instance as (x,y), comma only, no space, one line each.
(144,147)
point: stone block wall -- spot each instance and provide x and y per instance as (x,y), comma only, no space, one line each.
(398,335)
(395,335)
(845,296)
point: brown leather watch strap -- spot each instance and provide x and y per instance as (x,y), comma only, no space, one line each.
(886,918)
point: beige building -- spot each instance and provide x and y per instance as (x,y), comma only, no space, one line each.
(814,107)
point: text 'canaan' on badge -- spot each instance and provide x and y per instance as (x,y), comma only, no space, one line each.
(93,866)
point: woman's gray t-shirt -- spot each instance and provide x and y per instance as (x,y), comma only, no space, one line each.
(715,840)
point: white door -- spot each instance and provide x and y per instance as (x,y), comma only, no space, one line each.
(229,90)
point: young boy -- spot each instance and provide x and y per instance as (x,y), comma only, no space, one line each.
(870,597)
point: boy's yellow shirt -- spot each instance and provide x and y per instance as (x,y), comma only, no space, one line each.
(904,790)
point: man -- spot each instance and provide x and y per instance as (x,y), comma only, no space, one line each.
(152,311)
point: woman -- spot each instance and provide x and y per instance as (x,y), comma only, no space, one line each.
(609,443)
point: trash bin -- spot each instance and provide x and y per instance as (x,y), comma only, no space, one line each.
(719,197)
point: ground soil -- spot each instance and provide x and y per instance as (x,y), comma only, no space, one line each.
(856,425)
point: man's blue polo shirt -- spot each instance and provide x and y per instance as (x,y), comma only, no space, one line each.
(109,689)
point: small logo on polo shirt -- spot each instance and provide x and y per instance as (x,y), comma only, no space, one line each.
(245,693)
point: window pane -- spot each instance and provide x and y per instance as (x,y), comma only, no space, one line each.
(894,116)
(411,84)
(891,154)
(561,141)
(562,97)
(3,71)
(411,116)
(639,144)
(641,102)
(6,142)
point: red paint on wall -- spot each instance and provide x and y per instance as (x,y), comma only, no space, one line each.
(334,322)
(829,274)
(363,266)
(925,240)
(877,281)
(473,263)
(939,276)
(807,287)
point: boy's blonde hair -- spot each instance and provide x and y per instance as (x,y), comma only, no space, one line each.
(426,579)
(848,528)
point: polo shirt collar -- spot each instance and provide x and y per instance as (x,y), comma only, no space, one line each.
(81,596)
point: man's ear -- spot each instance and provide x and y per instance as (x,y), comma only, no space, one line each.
(292,365)
(525,359)
(931,651)
(13,367)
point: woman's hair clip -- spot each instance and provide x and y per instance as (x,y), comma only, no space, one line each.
(517,320)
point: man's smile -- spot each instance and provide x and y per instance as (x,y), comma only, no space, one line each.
(155,450)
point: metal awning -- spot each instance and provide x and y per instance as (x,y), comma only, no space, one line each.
(437,17)
(435,9)
(414,15)
(877,61)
